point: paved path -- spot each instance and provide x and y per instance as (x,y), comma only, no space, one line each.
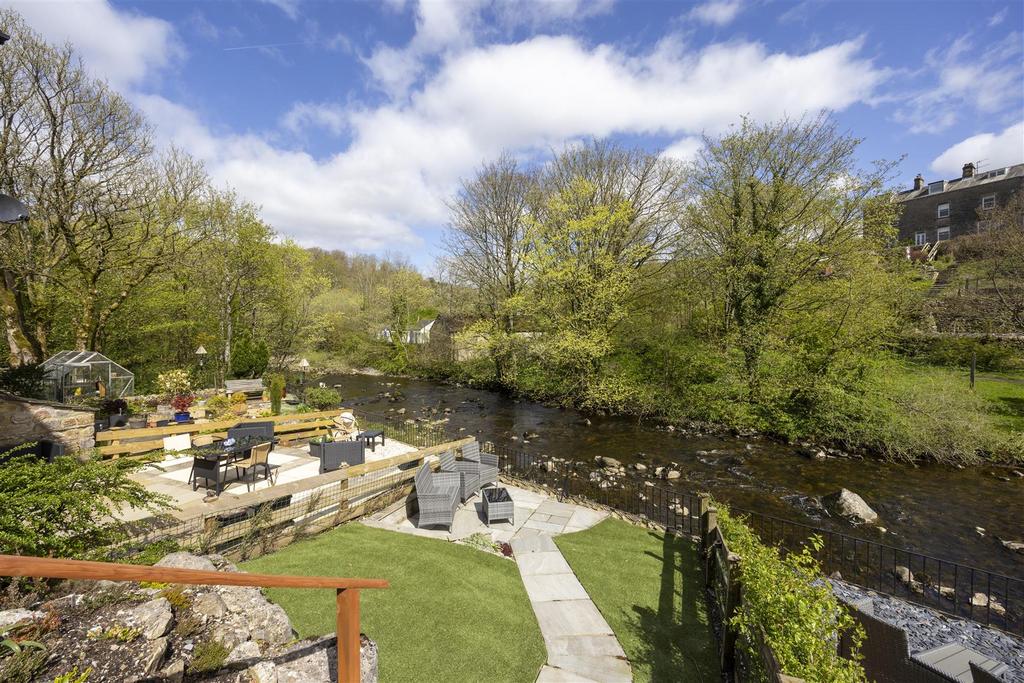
(581,646)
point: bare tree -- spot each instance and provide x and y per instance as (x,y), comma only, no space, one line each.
(487,244)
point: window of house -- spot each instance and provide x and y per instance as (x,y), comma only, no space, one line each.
(988,202)
(919,238)
(943,234)
(936,187)
(943,211)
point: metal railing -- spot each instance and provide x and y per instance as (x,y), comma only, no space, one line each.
(953,588)
(961,590)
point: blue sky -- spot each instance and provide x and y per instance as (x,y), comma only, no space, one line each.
(350,123)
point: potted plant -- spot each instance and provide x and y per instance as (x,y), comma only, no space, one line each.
(116,410)
(181,404)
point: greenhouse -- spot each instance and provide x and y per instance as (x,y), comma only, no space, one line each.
(79,374)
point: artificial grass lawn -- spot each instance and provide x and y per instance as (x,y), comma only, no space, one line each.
(649,587)
(452,613)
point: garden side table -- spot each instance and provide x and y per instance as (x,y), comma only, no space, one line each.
(498,504)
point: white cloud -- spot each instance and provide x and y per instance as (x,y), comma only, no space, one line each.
(304,115)
(717,12)
(119,45)
(289,7)
(406,157)
(684,149)
(962,80)
(999,17)
(993,149)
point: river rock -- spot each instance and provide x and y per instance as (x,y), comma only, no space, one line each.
(904,574)
(846,503)
(640,467)
(673,474)
(982,600)
(605,461)
(1013,546)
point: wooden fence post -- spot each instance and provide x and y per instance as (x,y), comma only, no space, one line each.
(348,635)
(733,602)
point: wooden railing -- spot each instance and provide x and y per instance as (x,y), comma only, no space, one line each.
(347,599)
(117,442)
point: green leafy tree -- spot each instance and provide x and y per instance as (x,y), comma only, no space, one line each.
(250,357)
(580,284)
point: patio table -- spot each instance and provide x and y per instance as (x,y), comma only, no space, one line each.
(498,504)
(370,437)
(211,462)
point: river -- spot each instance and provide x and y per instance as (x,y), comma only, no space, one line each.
(934,510)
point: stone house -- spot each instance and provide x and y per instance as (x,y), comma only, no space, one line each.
(944,209)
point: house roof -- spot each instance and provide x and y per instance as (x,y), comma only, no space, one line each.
(420,325)
(979,178)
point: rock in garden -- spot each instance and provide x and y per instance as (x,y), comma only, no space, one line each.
(242,655)
(186,561)
(13,616)
(263,672)
(210,605)
(153,618)
(846,503)
(153,656)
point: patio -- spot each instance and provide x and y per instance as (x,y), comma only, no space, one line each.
(287,464)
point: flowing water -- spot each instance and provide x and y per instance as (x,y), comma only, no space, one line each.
(934,510)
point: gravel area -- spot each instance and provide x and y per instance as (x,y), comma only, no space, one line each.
(927,628)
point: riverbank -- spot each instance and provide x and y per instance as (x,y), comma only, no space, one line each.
(935,507)
(956,426)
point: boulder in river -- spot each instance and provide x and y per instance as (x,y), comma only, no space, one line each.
(1013,546)
(846,503)
(605,461)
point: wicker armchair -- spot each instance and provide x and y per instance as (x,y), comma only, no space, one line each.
(487,463)
(469,473)
(438,496)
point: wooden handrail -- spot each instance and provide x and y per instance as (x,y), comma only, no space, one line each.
(346,600)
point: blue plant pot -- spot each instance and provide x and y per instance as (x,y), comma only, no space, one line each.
(182,417)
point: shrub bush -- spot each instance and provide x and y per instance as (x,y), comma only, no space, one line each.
(238,398)
(175,382)
(787,597)
(275,382)
(67,508)
(322,398)
(219,405)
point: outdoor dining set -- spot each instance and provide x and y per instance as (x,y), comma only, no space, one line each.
(246,450)
(439,494)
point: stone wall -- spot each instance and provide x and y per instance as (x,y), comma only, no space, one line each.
(28,419)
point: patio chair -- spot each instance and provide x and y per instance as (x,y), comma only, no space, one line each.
(469,473)
(202,440)
(437,494)
(487,463)
(335,453)
(257,459)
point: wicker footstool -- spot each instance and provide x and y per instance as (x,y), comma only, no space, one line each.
(498,504)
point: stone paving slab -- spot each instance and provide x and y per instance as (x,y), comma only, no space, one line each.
(601,645)
(550,674)
(546,587)
(561,618)
(605,669)
(532,564)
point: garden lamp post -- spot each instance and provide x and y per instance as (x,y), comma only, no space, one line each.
(303,366)
(201,355)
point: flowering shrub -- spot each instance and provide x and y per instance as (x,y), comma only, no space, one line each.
(175,382)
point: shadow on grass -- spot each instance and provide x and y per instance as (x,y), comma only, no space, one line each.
(677,638)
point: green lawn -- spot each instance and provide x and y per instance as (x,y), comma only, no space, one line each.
(452,613)
(649,587)
(1006,398)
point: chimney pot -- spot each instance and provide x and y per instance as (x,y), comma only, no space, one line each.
(918,182)
(968,170)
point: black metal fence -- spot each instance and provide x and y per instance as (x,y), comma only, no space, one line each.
(960,590)
(963,591)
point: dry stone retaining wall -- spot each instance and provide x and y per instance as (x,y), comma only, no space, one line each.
(28,419)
